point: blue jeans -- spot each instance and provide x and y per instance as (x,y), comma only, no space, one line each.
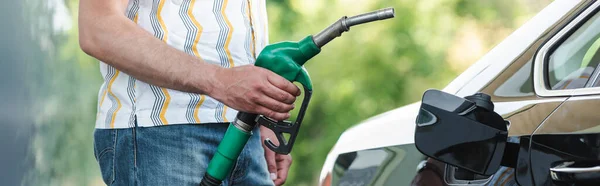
(173,155)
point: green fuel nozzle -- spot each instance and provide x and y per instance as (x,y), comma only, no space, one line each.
(285,59)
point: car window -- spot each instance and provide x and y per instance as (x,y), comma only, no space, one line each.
(573,62)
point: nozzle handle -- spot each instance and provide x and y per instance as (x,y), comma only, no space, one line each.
(343,25)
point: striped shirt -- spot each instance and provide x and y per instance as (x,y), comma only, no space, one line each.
(228,33)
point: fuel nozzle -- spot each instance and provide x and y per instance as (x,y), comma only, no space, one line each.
(343,25)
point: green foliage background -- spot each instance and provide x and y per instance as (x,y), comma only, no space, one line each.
(369,70)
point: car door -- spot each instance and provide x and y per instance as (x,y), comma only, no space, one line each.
(565,147)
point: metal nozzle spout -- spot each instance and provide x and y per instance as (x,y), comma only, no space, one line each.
(344,24)
(371,16)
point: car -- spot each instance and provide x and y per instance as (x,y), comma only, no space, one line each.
(543,80)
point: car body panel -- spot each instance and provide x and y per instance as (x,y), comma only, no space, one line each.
(383,166)
(375,132)
(496,60)
(571,133)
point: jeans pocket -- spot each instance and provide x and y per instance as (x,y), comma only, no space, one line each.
(104,150)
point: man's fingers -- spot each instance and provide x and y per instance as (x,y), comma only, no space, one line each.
(271,163)
(283,84)
(278,116)
(283,166)
(279,95)
(274,106)
(272,114)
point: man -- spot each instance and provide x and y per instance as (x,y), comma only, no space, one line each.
(175,72)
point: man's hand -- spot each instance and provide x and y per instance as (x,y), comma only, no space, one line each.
(255,90)
(278,164)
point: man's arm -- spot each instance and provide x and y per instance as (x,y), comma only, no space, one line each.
(108,35)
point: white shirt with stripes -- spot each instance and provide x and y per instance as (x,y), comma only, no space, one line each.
(228,33)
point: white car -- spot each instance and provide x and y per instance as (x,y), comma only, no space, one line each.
(538,77)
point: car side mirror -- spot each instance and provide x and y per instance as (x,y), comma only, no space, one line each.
(463,132)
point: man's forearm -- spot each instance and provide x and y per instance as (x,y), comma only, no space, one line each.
(119,42)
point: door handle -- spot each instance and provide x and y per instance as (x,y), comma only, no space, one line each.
(576,171)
